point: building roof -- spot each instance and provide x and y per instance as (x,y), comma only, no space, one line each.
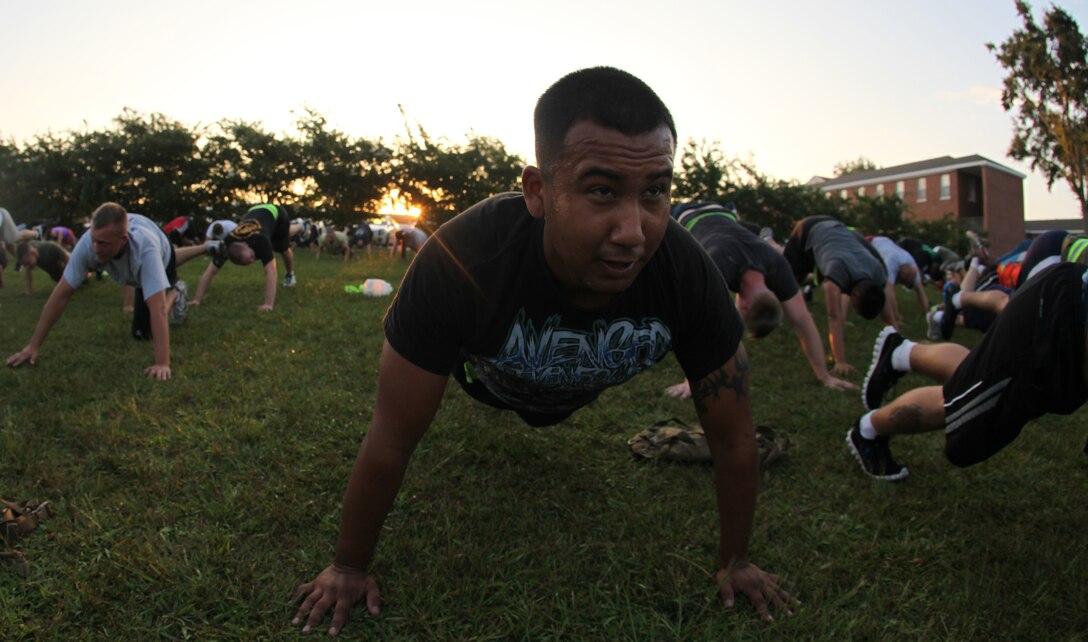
(910,170)
(1038,226)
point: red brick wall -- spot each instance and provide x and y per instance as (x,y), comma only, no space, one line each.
(933,208)
(998,210)
(1002,209)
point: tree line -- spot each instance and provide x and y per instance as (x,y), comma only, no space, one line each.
(163,168)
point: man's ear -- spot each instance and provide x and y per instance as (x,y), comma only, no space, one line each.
(532,188)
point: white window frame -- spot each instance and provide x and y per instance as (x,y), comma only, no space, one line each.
(900,189)
(922,190)
(946,187)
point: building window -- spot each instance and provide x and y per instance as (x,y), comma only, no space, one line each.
(861,191)
(922,190)
(946,187)
(880,190)
(900,189)
(844,194)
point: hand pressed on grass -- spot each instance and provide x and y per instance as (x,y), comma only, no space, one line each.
(339,588)
(759,586)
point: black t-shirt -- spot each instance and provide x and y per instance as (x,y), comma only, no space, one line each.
(483,296)
(736,250)
(922,254)
(362,234)
(255,229)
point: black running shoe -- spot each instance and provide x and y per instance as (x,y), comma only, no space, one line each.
(948,321)
(881,376)
(874,456)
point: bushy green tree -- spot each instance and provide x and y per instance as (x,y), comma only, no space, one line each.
(345,178)
(1047,85)
(248,164)
(860,164)
(156,165)
(704,173)
(38,182)
(443,178)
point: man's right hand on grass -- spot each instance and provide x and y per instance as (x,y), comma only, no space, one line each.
(338,588)
(26,355)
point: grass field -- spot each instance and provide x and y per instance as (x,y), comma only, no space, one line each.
(191,509)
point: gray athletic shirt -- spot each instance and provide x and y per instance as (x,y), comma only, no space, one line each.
(142,264)
(842,257)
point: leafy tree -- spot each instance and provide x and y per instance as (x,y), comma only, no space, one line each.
(1047,83)
(346,178)
(861,164)
(249,165)
(39,182)
(157,165)
(704,173)
(443,179)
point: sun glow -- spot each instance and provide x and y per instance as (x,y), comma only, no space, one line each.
(395,205)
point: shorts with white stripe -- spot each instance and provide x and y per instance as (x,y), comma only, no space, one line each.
(1030,363)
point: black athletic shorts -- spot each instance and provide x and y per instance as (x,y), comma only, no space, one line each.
(1030,363)
(141,314)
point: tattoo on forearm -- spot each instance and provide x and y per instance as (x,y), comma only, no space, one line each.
(712,385)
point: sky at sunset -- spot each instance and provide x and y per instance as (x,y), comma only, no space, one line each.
(795,87)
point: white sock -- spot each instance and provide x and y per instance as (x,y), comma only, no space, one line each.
(866,426)
(957,300)
(977,265)
(939,314)
(901,356)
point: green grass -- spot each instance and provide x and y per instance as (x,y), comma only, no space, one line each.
(191,509)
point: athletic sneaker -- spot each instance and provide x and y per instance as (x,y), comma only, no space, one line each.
(215,249)
(881,376)
(289,280)
(874,455)
(179,312)
(948,321)
(933,332)
(807,293)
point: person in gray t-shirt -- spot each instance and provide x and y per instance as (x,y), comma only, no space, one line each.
(846,264)
(135,252)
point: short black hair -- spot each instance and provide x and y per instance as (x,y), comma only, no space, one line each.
(764,314)
(868,298)
(603,95)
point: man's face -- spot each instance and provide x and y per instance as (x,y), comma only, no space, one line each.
(30,259)
(107,242)
(605,208)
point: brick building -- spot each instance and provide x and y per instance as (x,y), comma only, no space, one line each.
(983,194)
